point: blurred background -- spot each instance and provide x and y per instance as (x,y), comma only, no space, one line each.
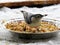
(31,3)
